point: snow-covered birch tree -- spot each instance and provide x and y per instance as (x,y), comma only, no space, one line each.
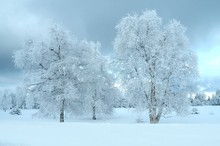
(96,88)
(157,65)
(50,65)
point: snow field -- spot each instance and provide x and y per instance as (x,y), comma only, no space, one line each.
(120,130)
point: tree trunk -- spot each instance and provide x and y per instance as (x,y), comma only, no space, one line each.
(62,110)
(159,114)
(153,105)
(93,112)
(93,106)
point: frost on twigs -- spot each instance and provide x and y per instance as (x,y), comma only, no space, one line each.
(156,67)
(65,75)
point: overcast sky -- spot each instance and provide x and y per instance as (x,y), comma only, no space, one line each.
(96,20)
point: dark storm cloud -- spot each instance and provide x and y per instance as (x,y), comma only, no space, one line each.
(96,20)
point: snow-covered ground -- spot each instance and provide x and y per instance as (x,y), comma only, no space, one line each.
(121,129)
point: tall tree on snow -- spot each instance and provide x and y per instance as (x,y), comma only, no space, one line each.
(96,88)
(50,65)
(158,67)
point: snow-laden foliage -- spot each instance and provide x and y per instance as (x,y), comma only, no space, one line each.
(97,83)
(65,74)
(5,100)
(8,99)
(215,100)
(156,66)
(199,100)
(51,65)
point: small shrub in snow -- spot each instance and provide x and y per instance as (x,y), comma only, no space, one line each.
(139,120)
(15,111)
(195,111)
